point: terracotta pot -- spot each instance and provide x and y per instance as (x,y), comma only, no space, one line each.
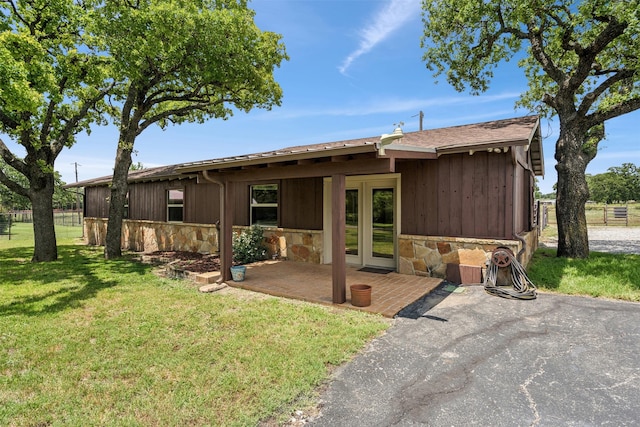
(360,295)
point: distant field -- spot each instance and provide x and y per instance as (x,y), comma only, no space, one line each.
(596,215)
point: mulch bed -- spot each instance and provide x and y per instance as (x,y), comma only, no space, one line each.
(187,261)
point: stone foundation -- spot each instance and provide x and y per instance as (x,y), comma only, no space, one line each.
(418,255)
(430,255)
(151,236)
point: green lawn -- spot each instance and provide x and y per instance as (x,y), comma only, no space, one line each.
(601,275)
(22,235)
(84,341)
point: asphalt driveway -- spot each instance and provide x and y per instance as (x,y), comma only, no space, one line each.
(459,359)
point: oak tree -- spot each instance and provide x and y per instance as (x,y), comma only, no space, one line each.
(581,62)
(181,61)
(52,81)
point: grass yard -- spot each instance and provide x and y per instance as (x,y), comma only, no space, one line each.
(84,341)
(603,275)
(22,235)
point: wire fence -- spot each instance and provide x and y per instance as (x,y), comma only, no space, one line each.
(598,215)
(5,225)
(67,218)
(73,218)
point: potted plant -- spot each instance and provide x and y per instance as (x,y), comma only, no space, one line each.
(248,247)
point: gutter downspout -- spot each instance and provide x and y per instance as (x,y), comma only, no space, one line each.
(225,273)
(523,250)
(514,195)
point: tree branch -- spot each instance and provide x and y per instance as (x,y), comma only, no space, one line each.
(10,159)
(624,107)
(70,125)
(12,185)
(46,123)
(588,55)
(8,121)
(593,96)
(181,112)
(537,49)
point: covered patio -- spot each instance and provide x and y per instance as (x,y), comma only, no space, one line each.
(390,292)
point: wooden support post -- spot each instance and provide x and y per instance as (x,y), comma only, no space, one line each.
(226,230)
(338,258)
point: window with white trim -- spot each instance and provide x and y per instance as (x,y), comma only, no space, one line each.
(264,205)
(175,205)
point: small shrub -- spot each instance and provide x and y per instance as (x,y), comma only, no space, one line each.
(248,246)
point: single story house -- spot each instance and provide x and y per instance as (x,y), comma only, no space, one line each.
(432,202)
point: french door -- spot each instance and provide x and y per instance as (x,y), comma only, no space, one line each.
(371,222)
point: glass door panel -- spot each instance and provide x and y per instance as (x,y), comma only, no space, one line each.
(382,224)
(351,229)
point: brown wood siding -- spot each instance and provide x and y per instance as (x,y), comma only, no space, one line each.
(202,203)
(524,181)
(301,203)
(458,195)
(96,202)
(148,200)
(240,191)
(480,202)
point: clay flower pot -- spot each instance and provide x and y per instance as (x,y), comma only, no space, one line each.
(360,295)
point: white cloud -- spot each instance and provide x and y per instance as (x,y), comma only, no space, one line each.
(382,25)
(388,105)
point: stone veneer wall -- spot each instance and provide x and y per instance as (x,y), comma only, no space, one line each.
(429,255)
(293,244)
(151,236)
(419,255)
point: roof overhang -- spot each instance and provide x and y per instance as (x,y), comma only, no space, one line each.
(532,143)
(251,160)
(335,156)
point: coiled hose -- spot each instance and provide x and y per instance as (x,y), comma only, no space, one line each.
(520,288)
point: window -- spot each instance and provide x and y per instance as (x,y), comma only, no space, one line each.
(264,205)
(175,205)
(126,206)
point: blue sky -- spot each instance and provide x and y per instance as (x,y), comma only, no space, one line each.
(355,70)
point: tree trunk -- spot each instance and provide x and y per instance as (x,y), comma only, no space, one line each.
(119,188)
(44,233)
(572,194)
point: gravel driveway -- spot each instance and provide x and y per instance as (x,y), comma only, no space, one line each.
(609,239)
